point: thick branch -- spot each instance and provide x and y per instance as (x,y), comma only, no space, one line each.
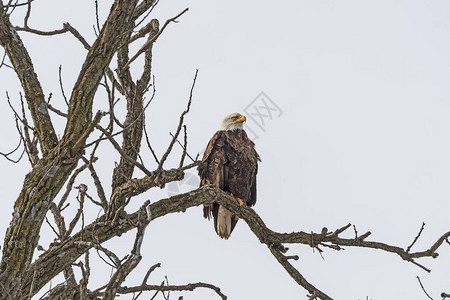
(23,66)
(97,61)
(167,288)
(44,182)
(134,121)
(51,262)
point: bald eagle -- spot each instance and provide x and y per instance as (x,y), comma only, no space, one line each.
(231,163)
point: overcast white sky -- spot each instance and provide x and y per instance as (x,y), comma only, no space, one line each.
(360,134)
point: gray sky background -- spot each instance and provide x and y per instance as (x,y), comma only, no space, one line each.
(363,137)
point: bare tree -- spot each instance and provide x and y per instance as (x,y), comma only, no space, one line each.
(49,186)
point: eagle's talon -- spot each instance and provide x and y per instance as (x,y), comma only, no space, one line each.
(241,202)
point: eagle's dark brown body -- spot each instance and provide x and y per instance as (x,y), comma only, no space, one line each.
(230,162)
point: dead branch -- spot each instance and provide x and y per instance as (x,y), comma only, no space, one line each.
(66,28)
(6,155)
(295,274)
(82,188)
(27,16)
(146,5)
(18,4)
(82,139)
(61,85)
(149,42)
(416,238)
(56,111)
(183,155)
(169,288)
(131,262)
(149,145)
(184,146)
(112,103)
(59,221)
(30,144)
(53,228)
(2,63)
(209,194)
(16,114)
(115,261)
(96,17)
(70,185)
(180,124)
(145,30)
(97,183)
(122,153)
(152,268)
(423,288)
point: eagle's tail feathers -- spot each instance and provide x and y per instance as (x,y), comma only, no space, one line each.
(224,222)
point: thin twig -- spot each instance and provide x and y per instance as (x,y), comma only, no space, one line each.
(82,188)
(59,220)
(97,183)
(61,86)
(183,147)
(183,155)
(115,261)
(96,16)
(416,238)
(122,153)
(30,145)
(148,13)
(57,111)
(17,4)
(3,62)
(53,228)
(356,231)
(152,268)
(27,16)
(180,124)
(423,289)
(149,145)
(70,185)
(6,155)
(15,112)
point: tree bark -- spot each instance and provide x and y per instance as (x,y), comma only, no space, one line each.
(44,182)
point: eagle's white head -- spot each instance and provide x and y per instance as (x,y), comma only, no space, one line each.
(233,121)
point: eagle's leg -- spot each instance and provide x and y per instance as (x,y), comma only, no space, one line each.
(239,200)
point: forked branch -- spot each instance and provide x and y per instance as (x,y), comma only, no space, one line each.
(272,239)
(150,41)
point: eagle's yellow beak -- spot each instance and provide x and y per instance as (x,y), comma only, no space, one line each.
(241,119)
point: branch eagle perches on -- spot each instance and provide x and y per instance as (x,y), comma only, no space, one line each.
(273,240)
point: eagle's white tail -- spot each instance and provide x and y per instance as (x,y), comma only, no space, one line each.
(224,222)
